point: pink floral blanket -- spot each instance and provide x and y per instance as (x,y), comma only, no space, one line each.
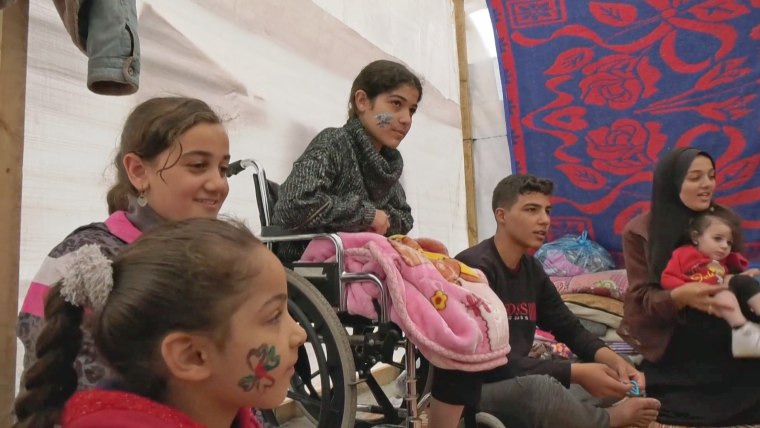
(456,320)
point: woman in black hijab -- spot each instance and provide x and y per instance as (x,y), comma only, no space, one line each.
(688,362)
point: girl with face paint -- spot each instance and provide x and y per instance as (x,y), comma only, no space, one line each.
(347,179)
(688,361)
(193,320)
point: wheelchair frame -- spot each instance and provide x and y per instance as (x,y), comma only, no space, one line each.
(272,234)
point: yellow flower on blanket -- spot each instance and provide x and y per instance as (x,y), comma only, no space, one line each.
(439,300)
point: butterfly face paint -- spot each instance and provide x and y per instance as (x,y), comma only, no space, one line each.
(388,118)
(261,361)
(383,119)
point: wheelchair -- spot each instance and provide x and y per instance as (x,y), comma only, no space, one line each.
(342,349)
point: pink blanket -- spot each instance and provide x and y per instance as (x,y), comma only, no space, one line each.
(458,325)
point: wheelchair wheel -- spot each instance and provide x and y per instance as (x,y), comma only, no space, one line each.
(324,389)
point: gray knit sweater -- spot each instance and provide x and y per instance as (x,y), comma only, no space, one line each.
(337,184)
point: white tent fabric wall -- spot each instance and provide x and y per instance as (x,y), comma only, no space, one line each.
(280,71)
(491,158)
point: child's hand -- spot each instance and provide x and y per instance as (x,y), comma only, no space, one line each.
(381,223)
(752,272)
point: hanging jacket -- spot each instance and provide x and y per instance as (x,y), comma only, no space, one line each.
(105,31)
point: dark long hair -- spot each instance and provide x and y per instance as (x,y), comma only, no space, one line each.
(187,276)
(378,77)
(669,217)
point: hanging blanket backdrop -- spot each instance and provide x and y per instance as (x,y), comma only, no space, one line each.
(596,92)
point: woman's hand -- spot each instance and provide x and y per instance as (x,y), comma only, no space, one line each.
(699,296)
(381,223)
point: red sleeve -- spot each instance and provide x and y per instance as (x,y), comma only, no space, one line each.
(685,259)
(736,263)
(674,274)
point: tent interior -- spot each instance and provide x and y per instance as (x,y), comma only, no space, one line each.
(277,72)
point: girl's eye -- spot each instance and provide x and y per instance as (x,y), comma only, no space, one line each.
(198,166)
(276,318)
(223,169)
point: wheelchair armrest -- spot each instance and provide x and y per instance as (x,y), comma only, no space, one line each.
(344,277)
(272,231)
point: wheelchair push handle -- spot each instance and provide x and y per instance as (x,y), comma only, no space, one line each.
(239,165)
(235,168)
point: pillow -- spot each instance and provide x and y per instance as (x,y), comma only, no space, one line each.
(609,283)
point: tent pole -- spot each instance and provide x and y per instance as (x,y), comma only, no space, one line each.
(14,24)
(465,110)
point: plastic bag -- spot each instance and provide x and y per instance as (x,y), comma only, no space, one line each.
(574,255)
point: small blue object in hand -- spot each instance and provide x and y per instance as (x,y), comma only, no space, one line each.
(635,390)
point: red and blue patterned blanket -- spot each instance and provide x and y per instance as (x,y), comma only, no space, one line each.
(595,92)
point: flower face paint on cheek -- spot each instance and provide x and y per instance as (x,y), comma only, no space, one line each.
(261,361)
(383,119)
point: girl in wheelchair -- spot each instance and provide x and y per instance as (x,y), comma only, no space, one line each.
(347,179)
(193,319)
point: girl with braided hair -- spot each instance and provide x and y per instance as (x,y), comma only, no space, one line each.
(193,320)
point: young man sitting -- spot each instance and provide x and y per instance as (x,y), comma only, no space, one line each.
(528,392)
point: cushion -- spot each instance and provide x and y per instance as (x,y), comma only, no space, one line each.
(609,283)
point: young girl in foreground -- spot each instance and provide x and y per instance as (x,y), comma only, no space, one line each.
(713,257)
(193,319)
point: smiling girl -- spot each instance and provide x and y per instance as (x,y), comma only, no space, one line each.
(170,165)
(347,179)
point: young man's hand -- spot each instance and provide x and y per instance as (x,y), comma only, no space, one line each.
(625,370)
(600,380)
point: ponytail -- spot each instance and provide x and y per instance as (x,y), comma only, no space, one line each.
(118,197)
(52,379)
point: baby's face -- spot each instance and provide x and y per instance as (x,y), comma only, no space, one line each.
(716,240)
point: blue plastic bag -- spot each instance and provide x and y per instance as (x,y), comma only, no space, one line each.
(573,255)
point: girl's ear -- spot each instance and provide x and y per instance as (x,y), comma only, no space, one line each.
(187,356)
(362,101)
(694,237)
(136,170)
